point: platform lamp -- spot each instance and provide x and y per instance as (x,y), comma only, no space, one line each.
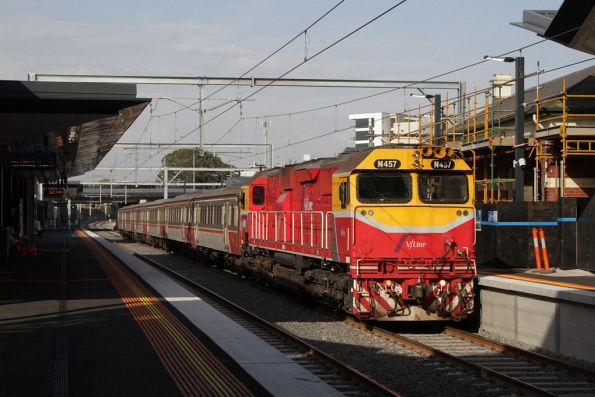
(519,124)
(437,113)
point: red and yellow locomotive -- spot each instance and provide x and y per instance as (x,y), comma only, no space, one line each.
(385,233)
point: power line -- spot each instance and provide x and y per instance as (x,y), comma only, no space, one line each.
(309,59)
(458,69)
(303,32)
(325,134)
(291,70)
(335,130)
(368,96)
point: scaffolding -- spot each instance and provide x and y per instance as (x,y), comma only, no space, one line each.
(559,126)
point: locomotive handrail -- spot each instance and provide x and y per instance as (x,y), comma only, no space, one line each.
(260,224)
(328,220)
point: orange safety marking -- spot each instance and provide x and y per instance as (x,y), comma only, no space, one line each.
(536,244)
(194,368)
(539,280)
(546,261)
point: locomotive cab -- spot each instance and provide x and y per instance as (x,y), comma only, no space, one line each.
(405,224)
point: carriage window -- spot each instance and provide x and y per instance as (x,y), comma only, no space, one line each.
(445,188)
(258,195)
(384,187)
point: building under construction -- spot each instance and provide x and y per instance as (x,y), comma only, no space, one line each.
(555,159)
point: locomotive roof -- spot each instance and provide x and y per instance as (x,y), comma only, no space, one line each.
(346,162)
(224,191)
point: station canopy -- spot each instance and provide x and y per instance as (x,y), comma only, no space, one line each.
(571,25)
(58,130)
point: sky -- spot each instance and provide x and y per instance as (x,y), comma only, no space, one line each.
(417,40)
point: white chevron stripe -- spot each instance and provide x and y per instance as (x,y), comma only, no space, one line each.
(407,228)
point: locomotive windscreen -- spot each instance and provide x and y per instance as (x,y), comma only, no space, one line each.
(444,188)
(384,187)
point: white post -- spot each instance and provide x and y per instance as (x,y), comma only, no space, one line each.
(68,212)
(535,187)
(268,159)
(562,172)
(200,118)
(165,178)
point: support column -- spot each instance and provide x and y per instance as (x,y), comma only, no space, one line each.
(519,150)
(549,173)
(438,120)
(165,183)
(29,215)
(552,173)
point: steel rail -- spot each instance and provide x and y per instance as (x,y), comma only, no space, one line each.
(359,377)
(431,352)
(519,353)
(362,378)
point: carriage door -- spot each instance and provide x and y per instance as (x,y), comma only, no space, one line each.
(244,216)
(225,218)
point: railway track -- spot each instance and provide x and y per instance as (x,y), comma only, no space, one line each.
(343,378)
(529,373)
(510,370)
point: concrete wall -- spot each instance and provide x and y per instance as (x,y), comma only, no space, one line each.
(558,320)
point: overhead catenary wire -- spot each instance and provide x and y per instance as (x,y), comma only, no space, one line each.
(376,94)
(302,32)
(286,73)
(305,61)
(349,128)
(458,69)
(298,35)
(519,49)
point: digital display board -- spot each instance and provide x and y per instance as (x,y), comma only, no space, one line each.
(53,192)
(32,161)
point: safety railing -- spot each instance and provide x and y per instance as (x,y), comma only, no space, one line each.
(302,228)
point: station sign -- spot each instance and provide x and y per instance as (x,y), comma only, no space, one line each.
(53,191)
(39,161)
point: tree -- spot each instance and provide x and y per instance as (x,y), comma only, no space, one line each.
(193,158)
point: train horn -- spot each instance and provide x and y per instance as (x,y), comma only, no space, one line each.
(427,151)
(440,151)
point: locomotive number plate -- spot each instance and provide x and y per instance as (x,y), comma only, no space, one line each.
(380,163)
(443,164)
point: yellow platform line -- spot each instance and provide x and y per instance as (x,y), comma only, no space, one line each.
(539,280)
(142,298)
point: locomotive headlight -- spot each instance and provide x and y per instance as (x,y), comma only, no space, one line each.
(370,212)
(416,164)
(416,154)
(388,283)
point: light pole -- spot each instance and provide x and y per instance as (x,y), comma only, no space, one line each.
(268,158)
(436,99)
(519,125)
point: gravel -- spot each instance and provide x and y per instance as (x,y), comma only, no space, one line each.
(536,349)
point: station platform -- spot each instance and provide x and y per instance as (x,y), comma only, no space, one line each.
(76,321)
(553,311)
(573,278)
